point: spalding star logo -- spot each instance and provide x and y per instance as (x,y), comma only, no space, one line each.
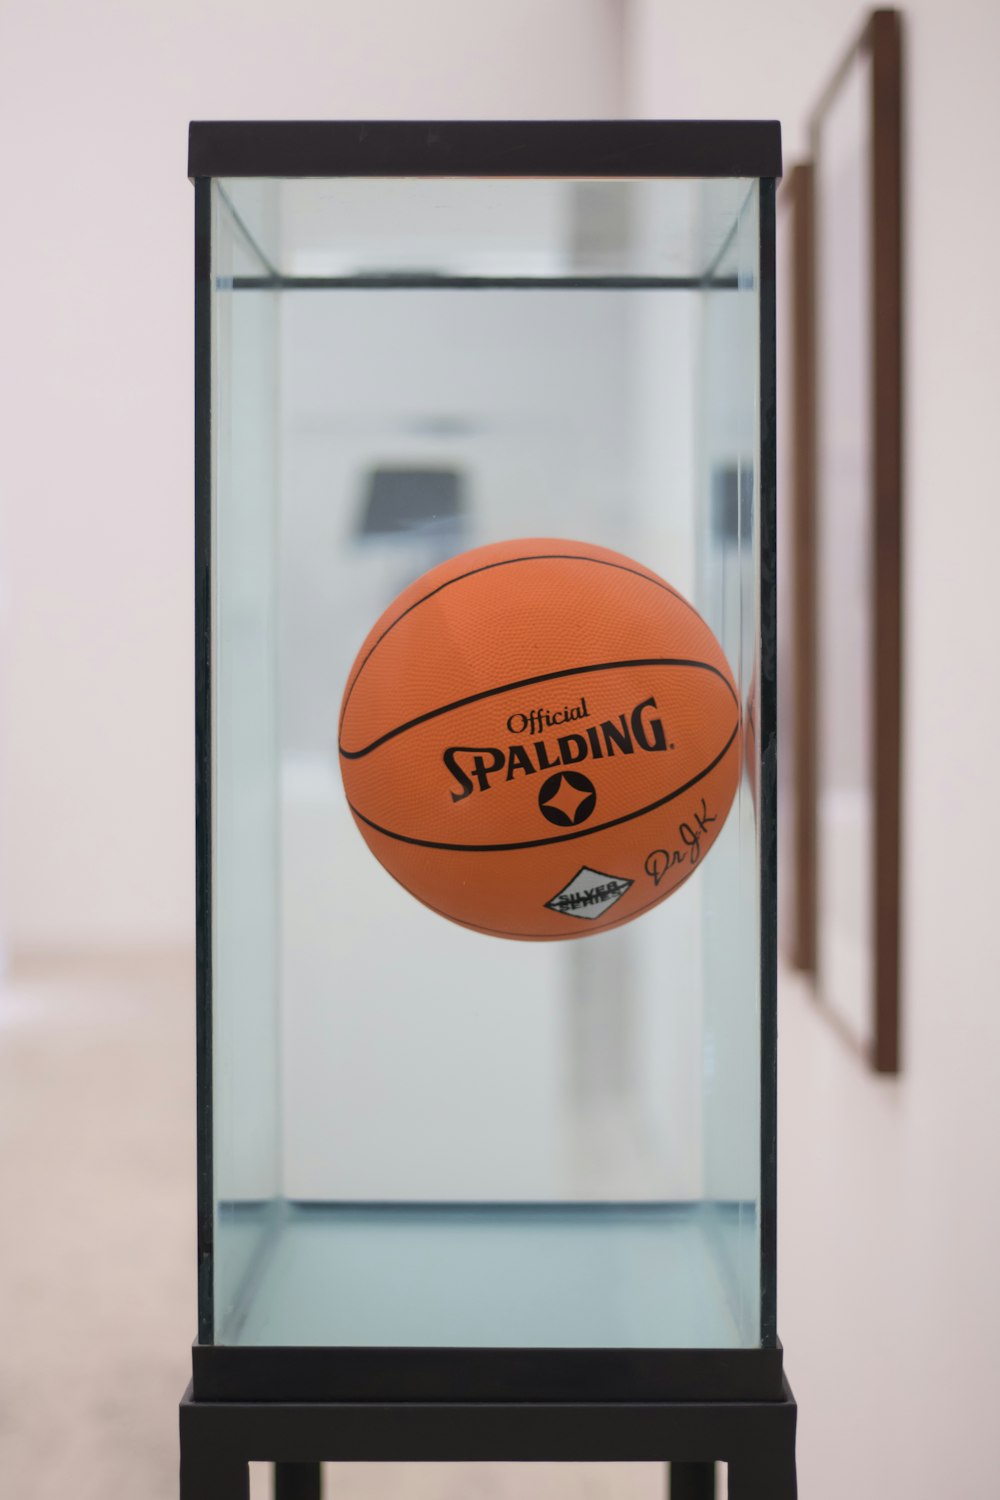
(567,799)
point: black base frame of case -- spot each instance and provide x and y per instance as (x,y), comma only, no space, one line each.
(222,1372)
(219,1439)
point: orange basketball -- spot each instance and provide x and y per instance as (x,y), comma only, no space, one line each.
(540,739)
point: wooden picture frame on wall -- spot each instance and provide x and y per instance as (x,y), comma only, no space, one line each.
(848,507)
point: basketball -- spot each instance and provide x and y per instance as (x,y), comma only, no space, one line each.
(540,739)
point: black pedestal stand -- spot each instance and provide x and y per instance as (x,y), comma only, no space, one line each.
(755,1438)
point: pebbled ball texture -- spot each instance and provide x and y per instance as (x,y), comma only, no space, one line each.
(540,739)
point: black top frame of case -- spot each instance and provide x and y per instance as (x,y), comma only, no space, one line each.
(484,148)
(601,149)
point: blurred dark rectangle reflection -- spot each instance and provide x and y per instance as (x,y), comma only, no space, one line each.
(400,499)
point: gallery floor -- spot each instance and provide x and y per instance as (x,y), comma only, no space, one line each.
(97,1252)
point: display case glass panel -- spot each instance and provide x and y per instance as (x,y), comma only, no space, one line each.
(415,1135)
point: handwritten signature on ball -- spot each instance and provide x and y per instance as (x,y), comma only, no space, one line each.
(690,832)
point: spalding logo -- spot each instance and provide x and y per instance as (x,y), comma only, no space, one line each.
(483,764)
(567,799)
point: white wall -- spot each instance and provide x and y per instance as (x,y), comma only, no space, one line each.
(96,723)
(890,1205)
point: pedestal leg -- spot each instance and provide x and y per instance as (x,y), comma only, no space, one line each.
(692,1481)
(297,1481)
(206,1476)
(768,1476)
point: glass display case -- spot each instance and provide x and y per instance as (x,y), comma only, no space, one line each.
(434,1163)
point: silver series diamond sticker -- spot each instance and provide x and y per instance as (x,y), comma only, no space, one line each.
(589,894)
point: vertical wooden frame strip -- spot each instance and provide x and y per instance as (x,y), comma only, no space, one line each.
(881,41)
(886,185)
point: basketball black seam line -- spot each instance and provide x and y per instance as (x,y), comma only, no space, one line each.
(560,838)
(526,682)
(486,567)
(566,936)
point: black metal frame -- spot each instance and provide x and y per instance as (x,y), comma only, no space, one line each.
(612,149)
(768,773)
(484,148)
(203,738)
(224,1372)
(756,1440)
